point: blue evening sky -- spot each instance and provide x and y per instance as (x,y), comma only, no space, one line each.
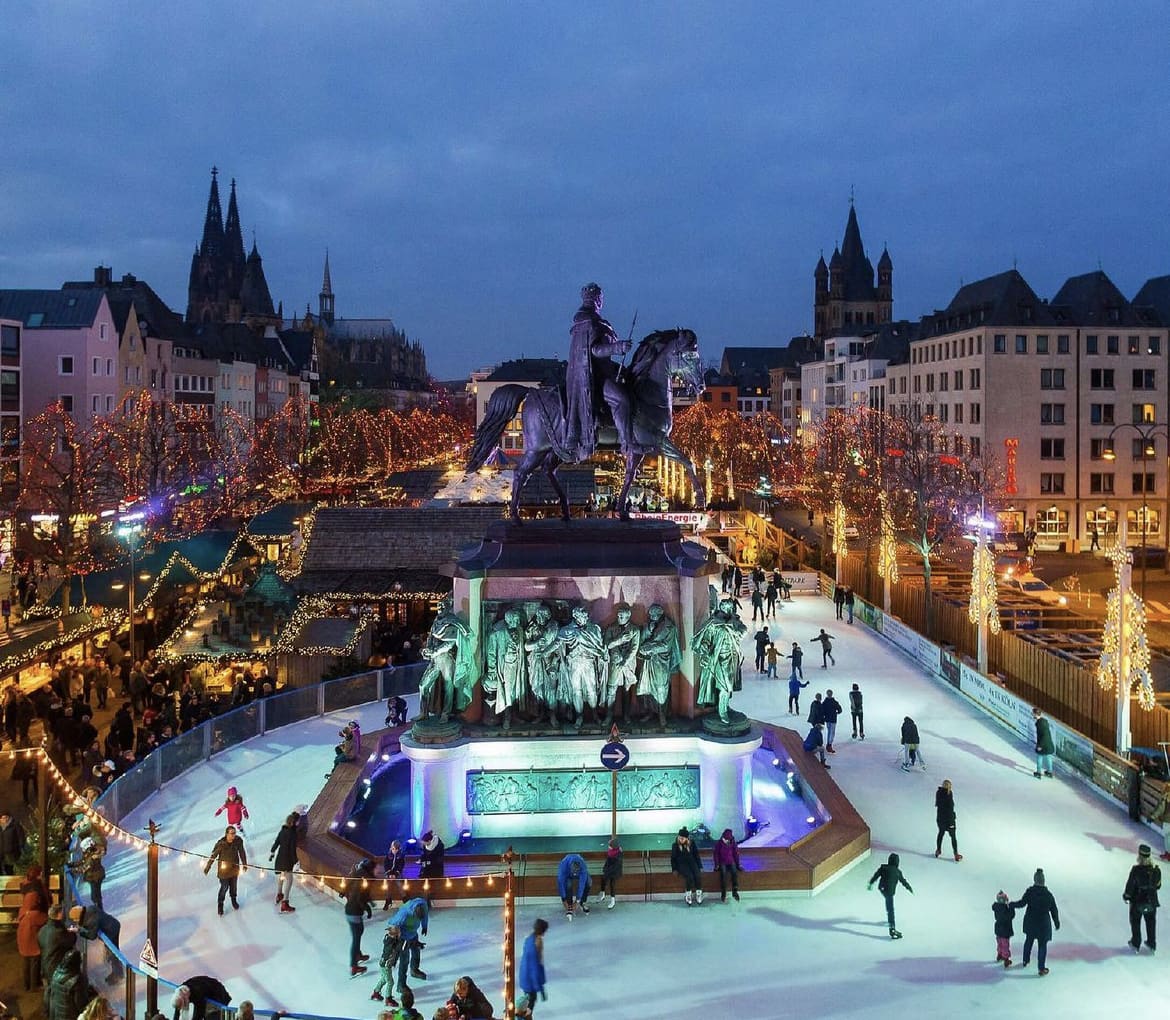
(470,165)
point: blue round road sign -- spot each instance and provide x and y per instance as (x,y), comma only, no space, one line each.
(614,756)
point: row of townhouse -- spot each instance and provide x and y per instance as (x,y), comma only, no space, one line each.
(1068,397)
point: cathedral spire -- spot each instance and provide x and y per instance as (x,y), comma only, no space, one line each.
(233,239)
(212,243)
(325,298)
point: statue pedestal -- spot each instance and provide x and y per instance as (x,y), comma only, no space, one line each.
(555,786)
(597,562)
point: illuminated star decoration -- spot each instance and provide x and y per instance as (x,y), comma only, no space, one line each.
(1130,663)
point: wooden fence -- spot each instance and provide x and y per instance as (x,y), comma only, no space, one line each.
(1066,690)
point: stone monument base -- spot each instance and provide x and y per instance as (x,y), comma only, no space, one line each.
(736,725)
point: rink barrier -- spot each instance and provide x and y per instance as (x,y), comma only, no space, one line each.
(122,980)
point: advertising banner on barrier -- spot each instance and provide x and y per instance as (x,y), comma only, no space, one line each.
(912,643)
(1001,703)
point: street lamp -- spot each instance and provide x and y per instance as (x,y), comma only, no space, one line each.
(129,528)
(1146,432)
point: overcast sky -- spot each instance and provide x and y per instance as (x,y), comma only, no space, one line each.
(470,165)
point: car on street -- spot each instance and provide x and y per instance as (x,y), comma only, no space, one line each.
(1033,587)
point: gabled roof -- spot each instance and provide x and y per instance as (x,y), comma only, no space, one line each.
(1092,299)
(1005,299)
(299,345)
(544,371)
(749,361)
(278,520)
(51,309)
(1155,294)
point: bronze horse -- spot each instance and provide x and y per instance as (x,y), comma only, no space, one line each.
(658,360)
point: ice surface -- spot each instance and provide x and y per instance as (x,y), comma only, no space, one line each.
(767,956)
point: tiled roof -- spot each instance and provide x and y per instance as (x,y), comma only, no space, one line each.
(279,519)
(1092,299)
(58,309)
(545,371)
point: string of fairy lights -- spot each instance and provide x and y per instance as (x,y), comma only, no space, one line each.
(887,544)
(984,592)
(840,544)
(1125,660)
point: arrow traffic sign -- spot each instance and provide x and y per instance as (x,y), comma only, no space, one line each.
(614,756)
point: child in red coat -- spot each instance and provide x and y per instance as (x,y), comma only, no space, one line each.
(236,811)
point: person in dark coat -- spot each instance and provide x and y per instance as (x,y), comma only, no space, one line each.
(857,712)
(762,637)
(1040,917)
(814,743)
(233,858)
(611,871)
(469,1001)
(67,991)
(726,862)
(430,859)
(830,711)
(1141,893)
(850,599)
(839,599)
(816,711)
(200,990)
(1045,746)
(888,877)
(393,864)
(358,907)
(944,816)
(93,923)
(685,860)
(11,843)
(1004,915)
(911,755)
(283,855)
(55,940)
(794,687)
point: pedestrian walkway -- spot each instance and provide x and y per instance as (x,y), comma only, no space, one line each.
(768,955)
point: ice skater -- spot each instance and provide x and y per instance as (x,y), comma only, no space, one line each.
(1141,893)
(235,808)
(763,639)
(355,891)
(611,871)
(1045,748)
(888,877)
(1004,915)
(857,713)
(830,712)
(911,755)
(686,862)
(531,976)
(1040,917)
(233,859)
(794,687)
(573,884)
(944,815)
(284,850)
(826,643)
(772,656)
(726,862)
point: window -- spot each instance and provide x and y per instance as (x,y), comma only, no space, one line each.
(725,397)
(1051,482)
(1090,345)
(1101,379)
(1000,343)
(102,331)
(1062,343)
(153,378)
(1140,450)
(1112,344)
(1133,345)
(10,340)
(109,366)
(1101,484)
(1138,478)
(973,445)
(930,383)
(1051,522)
(975,378)
(1052,378)
(97,401)
(958,414)
(1101,414)
(944,412)
(944,381)
(917,384)
(1052,414)
(97,366)
(109,403)
(66,402)
(958,378)
(1143,414)
(1154,345)
(64,365)
(975,410)
(1051,449)
(1042,344)
(1143,379)
(1021,343)
(1097,448)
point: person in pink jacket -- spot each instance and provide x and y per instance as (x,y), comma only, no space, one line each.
(727,863)
(236,811)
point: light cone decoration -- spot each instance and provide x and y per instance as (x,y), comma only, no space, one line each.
(1128,664)
(887,565)
(840,545)
(984,594)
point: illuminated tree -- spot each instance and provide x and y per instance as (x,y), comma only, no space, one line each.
(741,450)
(70,475)
(279,448)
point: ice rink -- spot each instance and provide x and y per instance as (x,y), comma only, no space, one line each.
(766,956)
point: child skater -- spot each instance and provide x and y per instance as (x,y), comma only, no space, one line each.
(1004,912)
(611,871)
(236,811)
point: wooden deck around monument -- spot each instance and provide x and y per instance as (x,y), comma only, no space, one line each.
(801,868)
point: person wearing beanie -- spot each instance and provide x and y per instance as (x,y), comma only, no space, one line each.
(233,859)
(236,811)
(611,871)
(685,860)
(1045,746)
(1141,893)
(944,813)
(1040,917)
(531,977)
(1004,915)
(726,862)
(430,860)
(888,877)
(574,884)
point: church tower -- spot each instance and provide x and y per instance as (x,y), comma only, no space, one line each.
(846,298)
(325,298)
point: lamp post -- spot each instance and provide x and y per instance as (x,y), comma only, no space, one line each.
(983,610)
(129,528)
(1146,432)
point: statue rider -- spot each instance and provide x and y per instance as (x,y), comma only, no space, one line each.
(591,381)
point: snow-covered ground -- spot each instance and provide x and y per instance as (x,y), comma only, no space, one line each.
(767,956)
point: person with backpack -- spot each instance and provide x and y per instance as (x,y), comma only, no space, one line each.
(1141,893)
(888,877)
(911,756)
